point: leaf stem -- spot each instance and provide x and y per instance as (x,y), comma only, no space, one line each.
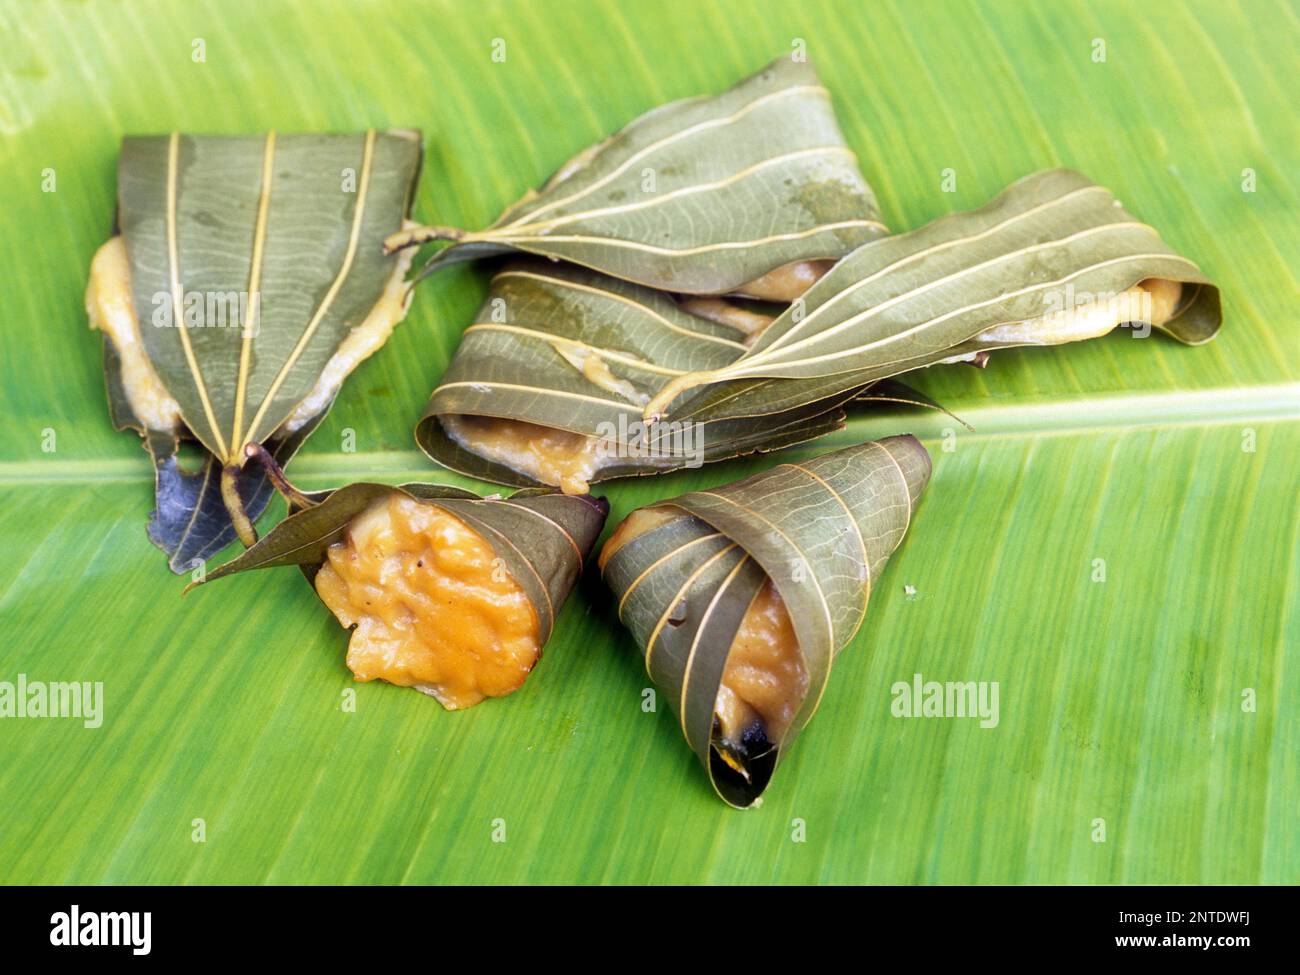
(655,409)
(416,236)
(235,505)
(295,497)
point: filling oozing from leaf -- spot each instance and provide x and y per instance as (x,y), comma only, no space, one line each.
(635,525)
(764,681)
(723,312)
(361,343)
(557,457)
(763,684)
(1153,301)
(786,283)
(432,605)
(110,306)
(111,309)
(596,371)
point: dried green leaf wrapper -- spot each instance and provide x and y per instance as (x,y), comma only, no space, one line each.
(914,299)
(521,359)
(700,196)
(541,537)
(822,531)
(190,521)
(288,226)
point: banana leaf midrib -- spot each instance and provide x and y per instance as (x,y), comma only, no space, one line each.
(212,715)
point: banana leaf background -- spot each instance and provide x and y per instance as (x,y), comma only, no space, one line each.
(1120,700)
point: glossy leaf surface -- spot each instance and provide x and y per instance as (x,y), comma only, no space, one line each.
(1121,700)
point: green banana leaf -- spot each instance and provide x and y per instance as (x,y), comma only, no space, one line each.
(822,531)
(1162,701)
(704,195)
(287,225)
(954,288)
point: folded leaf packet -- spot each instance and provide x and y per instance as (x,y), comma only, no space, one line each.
(741,596)
(245,281)
(1054,258)
(567,377)
(444,591)
(550,380)
(753,192)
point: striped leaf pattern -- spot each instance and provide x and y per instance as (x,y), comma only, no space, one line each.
(698,196)
(821,530)
(289,225)
(1121,700)
(914,299)
(522,358)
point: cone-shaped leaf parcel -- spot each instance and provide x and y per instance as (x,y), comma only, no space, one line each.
(1054,258)
(688,573)
(530,547)
(247,280)
(702,196)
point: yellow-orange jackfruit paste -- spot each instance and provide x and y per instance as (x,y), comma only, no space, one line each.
(786,283)
(432,606)
(765,680)
(566,460)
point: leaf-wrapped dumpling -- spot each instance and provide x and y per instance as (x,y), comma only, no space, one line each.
(741,596)
(244,284)
(752,191)
(449,593)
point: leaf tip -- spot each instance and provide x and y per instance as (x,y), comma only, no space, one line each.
(599,503)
